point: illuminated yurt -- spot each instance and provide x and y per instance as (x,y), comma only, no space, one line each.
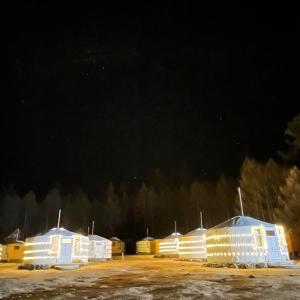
(148,245)
(169,245)
(243,240)
(192,245)
(57,245)
(118,246)
(99,248)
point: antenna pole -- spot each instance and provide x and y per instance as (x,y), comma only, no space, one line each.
(175,226)
(88,231)
(201,219)
(147,232)
(58,222)
(93,228)
(241,201)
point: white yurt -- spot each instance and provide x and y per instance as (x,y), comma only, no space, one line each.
(99,248)
(243,240)
(192,245)
(169,245)
(57,245)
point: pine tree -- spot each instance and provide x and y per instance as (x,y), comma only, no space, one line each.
(293,131)
(141,205)
(288,211)
(32,214)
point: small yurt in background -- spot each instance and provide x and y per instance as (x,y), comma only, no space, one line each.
(243,240)
(57,245)
(148,245)
(100,248)
(192,245)
(14,250)
(169,245)
(118,246)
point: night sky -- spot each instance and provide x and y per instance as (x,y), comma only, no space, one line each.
(100,91)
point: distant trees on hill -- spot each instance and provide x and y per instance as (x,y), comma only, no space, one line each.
(270,192)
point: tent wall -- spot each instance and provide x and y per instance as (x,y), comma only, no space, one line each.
(143,247)
(244,244)
(100,249)
(118,247)
(154,246)
(50,249)
(3,252)
(15,252)
(192,247)
(169,245)
(147,247)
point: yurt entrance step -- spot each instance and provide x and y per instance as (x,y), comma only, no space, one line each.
(283,264)
(70,266)
(166,256)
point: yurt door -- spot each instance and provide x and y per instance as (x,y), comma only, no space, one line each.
(66,250)
(273,245)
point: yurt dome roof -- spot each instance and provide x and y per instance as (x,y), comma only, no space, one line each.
(173,236)
(240,221)
(57,231)
(148,238)
(97,238)
(197,232)
(115,239)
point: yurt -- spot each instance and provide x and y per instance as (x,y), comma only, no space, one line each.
(243,240)
(169,245)
(118,246)
(57,245)
(99,248)
(148,245)
(192,245)
(14,250)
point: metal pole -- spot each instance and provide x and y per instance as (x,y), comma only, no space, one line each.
(58,222)
(88,231)
(201,219)
(241,202)
(93,228)
(175,227)
(147,232)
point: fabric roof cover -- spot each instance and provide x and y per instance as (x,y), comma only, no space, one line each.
(240,221)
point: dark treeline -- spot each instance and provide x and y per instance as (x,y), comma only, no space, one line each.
(270,192)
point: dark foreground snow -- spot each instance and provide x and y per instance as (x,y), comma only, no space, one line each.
(144,277)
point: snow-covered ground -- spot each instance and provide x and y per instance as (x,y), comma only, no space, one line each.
(144,277)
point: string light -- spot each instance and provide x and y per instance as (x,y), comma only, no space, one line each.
(193,252)
(188,242)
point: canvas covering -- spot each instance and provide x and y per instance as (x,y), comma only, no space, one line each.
(56,246)
(169,245)
(243,240)
(99,247)
(192,245)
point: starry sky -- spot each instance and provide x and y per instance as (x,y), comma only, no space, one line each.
(97,91)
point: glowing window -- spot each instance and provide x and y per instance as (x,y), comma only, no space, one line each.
(55,241)
(258,237)
(270,232)
(76,244)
